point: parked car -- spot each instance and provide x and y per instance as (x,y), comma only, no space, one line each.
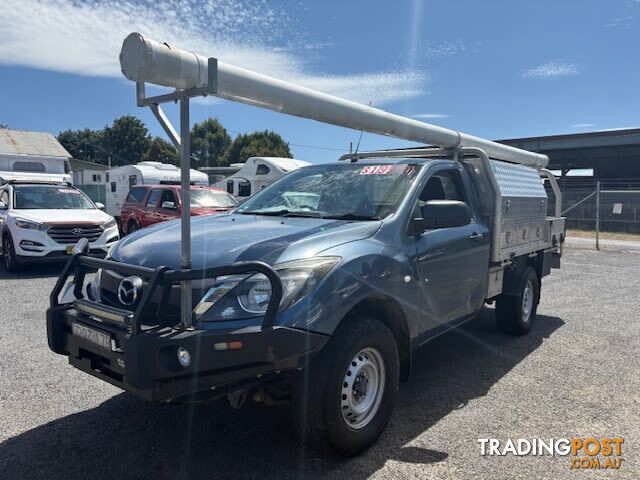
(318,289)
(121,179)
(149,204)
(42,222)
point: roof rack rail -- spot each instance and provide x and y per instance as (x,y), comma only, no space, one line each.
(401,153)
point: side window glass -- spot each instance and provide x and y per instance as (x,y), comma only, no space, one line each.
(443,185)
(4,197)
(167,196)
(152,201)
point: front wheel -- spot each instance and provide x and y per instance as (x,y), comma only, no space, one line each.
(515,313)
(10,259)
(345,398)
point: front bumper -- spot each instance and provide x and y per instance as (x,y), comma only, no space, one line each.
(47,248)
(147,364)
(143,359)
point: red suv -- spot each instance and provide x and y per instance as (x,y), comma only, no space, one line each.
(149,204)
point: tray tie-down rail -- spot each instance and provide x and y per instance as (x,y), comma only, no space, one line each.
(162,277)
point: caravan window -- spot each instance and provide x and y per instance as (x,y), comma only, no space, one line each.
(29,167)
(132,180)
(136,195)
(113,186)
(262,169)
(230,186)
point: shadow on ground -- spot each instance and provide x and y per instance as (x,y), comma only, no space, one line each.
(42,270)
(127,438)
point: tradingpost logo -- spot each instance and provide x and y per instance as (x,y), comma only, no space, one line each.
(584,453)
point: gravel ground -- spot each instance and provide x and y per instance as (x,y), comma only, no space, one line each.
(575,374)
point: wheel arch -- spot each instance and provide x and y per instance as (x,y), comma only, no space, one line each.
(388,311)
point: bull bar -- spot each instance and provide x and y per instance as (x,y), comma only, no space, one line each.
(142,359)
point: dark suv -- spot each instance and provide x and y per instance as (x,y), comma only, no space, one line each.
(149,204)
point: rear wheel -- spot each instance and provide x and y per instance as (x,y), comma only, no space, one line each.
(10,259)
(515,313)
(346,396)
(133,226)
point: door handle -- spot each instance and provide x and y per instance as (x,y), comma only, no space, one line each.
(476,236)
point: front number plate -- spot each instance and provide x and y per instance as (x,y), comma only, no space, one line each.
(98,338)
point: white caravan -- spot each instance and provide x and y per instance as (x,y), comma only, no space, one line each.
(39,168)
(121,179)
(256,173)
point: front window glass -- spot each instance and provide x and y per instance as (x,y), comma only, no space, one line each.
(349,191)
(211,199)
(50,197)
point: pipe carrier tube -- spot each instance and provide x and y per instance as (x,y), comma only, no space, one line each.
(146,60)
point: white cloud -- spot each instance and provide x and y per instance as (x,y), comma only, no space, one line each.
(583,125)
(444,49)
(430,115)
(552,70)
(619,23)
(84,38)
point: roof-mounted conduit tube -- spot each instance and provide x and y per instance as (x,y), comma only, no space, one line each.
(146,60)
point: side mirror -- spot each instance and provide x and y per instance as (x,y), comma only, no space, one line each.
(100,205)
(3,206)
(442,214)
(167,205)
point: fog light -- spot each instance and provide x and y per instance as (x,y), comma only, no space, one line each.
(184,357)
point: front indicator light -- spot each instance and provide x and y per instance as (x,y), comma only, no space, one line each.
(218,347)
(184,357)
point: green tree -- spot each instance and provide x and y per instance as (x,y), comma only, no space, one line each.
(209,140)
(83,144)
(161,151)
(257,144)
(125,140)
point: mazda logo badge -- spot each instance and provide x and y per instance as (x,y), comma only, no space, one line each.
(77,231)
(128,290)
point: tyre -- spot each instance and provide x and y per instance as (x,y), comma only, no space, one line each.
(133,226)
(516,313)
(345,397)
(9,257)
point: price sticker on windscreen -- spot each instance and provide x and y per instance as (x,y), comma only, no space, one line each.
(387,170)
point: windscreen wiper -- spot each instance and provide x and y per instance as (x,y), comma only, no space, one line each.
(284,213)
(351,216)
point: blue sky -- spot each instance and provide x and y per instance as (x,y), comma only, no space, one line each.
(496,69)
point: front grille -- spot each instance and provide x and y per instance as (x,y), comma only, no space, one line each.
(73,233)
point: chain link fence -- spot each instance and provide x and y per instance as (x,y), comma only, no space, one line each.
(611,206)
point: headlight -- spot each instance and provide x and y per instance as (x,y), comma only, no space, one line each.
(109,223)
(28,224)
(241,296)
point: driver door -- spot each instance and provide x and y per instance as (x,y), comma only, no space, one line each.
(451,262)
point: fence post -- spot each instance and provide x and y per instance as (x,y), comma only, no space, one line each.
(598,215)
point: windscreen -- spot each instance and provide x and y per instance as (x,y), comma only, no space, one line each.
(211,199)
(356,191)
(32,197)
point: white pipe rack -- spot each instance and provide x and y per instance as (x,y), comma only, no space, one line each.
(145,60)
